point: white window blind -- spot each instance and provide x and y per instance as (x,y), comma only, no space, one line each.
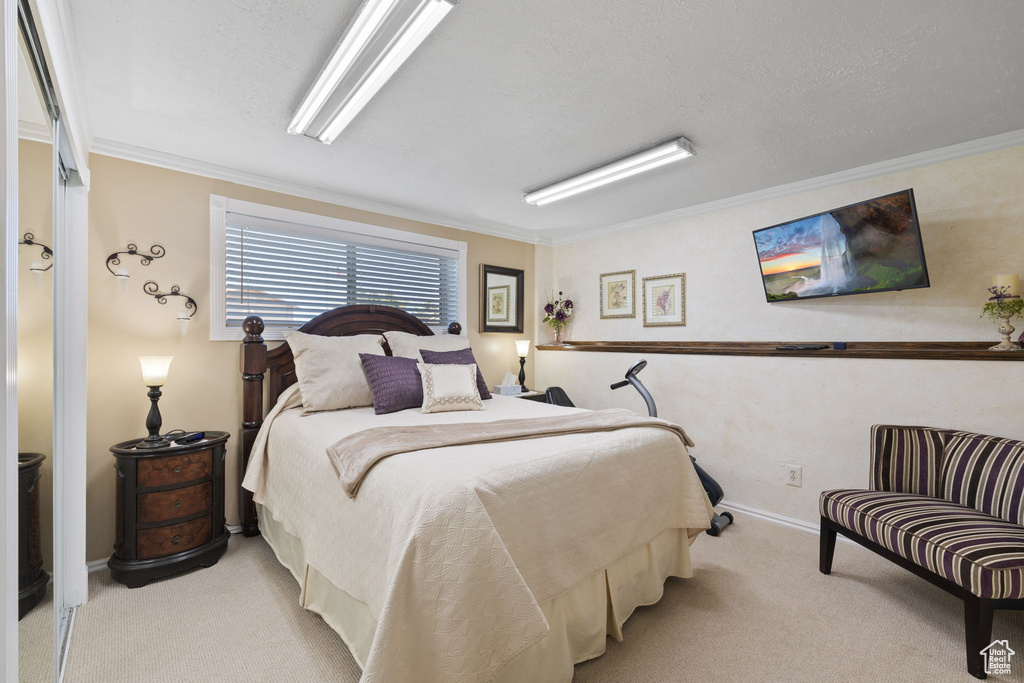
(288,267)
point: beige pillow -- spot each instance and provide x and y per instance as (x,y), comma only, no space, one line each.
(407,345)
(449,387)
(329,371)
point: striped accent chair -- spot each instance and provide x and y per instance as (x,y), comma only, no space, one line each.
(948,506)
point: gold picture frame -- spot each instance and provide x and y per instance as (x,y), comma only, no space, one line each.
(664,300)
(618,294)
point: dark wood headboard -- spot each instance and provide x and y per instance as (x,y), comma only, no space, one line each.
(280,365)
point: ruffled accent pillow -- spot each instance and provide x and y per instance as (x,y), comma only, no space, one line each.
(408,345)
(460,357)
(395,382)
(448,388)
(329,372)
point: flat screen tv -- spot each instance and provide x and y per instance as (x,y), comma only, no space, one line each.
(873,246)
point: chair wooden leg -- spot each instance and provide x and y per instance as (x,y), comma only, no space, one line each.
(827,547)
(977,632)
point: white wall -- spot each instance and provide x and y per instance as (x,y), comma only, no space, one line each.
(749,416)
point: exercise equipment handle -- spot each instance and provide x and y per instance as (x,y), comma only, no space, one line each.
(619,385)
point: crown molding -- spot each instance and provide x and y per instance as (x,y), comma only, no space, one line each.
(173,162)
(935,156)
(36,132)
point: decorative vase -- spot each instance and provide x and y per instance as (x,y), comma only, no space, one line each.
(557,333)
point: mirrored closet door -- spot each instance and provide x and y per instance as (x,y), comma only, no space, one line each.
(35,373)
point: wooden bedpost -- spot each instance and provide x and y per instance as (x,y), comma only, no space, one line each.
(454,328)
(254,364)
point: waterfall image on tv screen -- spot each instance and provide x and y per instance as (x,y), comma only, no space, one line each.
(873,246)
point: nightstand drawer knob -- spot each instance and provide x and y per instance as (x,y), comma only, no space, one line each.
(177,503)
(177,469)
(176,540)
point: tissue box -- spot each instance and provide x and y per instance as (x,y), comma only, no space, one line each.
(513,390)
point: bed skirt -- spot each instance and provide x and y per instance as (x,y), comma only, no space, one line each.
(579,620)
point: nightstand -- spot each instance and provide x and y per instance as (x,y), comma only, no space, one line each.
(538,396)
(170,509)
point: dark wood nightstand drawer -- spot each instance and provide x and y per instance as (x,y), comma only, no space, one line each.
(175,469)
(166,540)
(166,505)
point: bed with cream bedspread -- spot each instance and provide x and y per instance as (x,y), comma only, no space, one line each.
(452,549)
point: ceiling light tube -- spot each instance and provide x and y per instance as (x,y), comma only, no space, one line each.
(423,22)
(364,26)
(618,170)
(357,62)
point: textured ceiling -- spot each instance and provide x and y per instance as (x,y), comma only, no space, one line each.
(505,97)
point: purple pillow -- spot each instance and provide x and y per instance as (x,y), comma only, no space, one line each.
(460,357)
(395,382)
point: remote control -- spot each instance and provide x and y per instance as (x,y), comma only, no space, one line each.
(802,347)
(190,437)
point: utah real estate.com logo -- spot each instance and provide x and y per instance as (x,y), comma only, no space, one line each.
(997,657)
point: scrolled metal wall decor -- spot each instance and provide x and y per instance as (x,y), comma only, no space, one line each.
(47,255)
(156,251)
(153,289)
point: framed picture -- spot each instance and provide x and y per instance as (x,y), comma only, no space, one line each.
(617,294)
(665,300)
(501,299)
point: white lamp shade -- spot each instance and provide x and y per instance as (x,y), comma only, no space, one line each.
(154,369)
(122,279)
(523,347)
(37,273)
(183,321)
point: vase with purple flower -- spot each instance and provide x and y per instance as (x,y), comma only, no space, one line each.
(557,313)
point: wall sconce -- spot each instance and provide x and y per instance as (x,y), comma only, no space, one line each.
(184,317)
(156,251)
(36,268)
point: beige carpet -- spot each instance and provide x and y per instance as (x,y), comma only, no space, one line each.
(35,642)
(756,610)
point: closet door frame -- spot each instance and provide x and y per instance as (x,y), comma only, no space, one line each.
(9,340)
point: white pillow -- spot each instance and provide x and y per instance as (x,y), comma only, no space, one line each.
(329,372)
(406,345)
(449,387)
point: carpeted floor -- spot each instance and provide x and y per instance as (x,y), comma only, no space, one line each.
(756,610)
(35,642)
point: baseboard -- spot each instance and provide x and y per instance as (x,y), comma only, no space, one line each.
(97,565)
(798,524)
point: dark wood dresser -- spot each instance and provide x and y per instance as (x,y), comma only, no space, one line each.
(170,509)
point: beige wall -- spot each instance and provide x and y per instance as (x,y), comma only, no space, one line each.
(35,325)
(750,416)
(145,204)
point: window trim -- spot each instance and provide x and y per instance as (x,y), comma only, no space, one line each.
(220,206)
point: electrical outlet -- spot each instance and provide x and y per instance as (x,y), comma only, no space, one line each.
(794,475)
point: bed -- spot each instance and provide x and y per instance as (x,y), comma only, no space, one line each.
(510,561)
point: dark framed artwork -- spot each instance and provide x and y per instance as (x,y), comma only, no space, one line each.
(501,299)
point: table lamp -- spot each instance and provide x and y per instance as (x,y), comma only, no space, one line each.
(154,375)
(523,349)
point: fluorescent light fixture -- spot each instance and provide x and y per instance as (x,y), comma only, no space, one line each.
(383,34)
(624,168)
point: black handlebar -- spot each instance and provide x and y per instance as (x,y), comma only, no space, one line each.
(619,385)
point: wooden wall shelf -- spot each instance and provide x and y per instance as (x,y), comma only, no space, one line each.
(896,350)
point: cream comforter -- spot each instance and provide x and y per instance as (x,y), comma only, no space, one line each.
(452,549)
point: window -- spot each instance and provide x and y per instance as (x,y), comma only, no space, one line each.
(288,266)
